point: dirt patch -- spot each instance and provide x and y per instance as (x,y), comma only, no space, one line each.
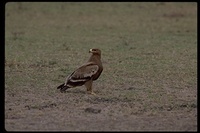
(78,111)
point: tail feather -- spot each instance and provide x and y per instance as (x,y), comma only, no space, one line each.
(62,87)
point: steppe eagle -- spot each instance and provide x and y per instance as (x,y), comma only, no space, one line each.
(85,74)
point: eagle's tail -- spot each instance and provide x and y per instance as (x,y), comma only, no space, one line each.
(60,86)
(63,87)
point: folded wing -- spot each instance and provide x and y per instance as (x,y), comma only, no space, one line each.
(82,74)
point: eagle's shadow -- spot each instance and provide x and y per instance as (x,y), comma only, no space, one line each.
(77,91)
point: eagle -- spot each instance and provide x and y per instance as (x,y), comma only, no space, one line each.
(85,74)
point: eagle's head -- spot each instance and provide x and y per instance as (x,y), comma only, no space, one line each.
(95,51)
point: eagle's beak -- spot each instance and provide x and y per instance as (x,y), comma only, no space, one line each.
(90,51)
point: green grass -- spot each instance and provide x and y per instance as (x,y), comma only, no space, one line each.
(151,47)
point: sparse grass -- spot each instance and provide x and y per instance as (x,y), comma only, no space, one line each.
(149,52)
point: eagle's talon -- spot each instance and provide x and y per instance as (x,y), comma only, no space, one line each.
(91,92)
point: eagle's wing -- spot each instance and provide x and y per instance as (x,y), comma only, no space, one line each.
(82,74)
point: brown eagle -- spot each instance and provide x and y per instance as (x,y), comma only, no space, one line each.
(85,74)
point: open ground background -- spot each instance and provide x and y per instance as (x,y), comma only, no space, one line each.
(149,53)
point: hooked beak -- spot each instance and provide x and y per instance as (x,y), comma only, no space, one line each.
(90,51)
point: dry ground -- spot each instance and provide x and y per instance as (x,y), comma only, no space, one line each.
(149,53)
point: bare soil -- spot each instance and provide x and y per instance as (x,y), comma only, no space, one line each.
(77,111)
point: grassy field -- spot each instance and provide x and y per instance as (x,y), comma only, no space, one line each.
(149,54)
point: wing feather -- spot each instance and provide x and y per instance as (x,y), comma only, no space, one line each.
(83,73)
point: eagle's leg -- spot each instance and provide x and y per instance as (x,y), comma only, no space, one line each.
(88,85)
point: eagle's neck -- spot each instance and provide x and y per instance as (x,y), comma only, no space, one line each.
(95,58)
